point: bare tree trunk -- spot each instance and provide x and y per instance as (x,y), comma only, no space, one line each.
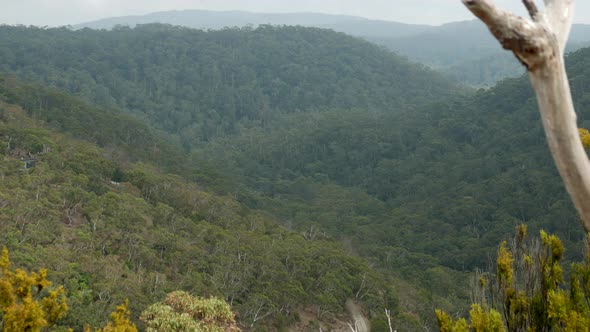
(388,314)
(539,44)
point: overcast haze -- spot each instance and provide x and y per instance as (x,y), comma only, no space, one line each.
(64,12)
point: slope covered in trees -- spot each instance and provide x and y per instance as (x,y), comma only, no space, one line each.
(418,189)
(463,50)
(478,163)
(110,229)
(331,136)
(200,85)
(216,91)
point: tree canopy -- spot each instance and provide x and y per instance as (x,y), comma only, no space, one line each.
(281,169)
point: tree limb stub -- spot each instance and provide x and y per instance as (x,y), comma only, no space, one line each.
(532,8)
(539,44)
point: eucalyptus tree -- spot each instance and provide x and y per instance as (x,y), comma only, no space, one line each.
(539,44)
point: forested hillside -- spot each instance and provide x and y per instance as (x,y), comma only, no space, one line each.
(463,50)
(110,229)
(242,151)
(415,190)
(200,85)
(447,181)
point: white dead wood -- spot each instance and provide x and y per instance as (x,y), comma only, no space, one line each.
(388,314)
(539,43)
(352,328)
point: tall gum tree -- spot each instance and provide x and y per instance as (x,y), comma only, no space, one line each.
(539,43)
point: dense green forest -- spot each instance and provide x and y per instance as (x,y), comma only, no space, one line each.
(447,181)
(212,161)
(200,85)
(464,50)
(110,229)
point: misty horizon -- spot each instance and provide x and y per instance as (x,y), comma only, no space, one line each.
(55,13)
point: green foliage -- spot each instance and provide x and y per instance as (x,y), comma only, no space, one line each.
(203,84)
(29,304)
(434,187)
(123,136)
(120,321)
(448,324)
(505,261)
(182,312)
(585,137)
(152,233)
(333,137)
(484,321)
(480,321)
(26,299)
(536,299)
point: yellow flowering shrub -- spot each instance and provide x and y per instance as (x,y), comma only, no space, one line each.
(527,292)
(26,300)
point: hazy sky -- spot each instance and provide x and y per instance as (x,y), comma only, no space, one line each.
(63,12)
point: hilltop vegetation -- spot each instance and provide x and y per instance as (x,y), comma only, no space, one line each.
(200,85)
(463,50)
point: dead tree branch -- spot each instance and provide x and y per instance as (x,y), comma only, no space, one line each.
(539,43)
(388,314)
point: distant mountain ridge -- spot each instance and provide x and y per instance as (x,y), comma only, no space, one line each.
(204,19)
(463,50)
(472,31)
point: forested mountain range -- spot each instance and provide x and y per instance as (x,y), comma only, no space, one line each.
(255,136)
(463,50)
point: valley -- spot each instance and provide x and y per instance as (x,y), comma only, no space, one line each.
(294,172)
